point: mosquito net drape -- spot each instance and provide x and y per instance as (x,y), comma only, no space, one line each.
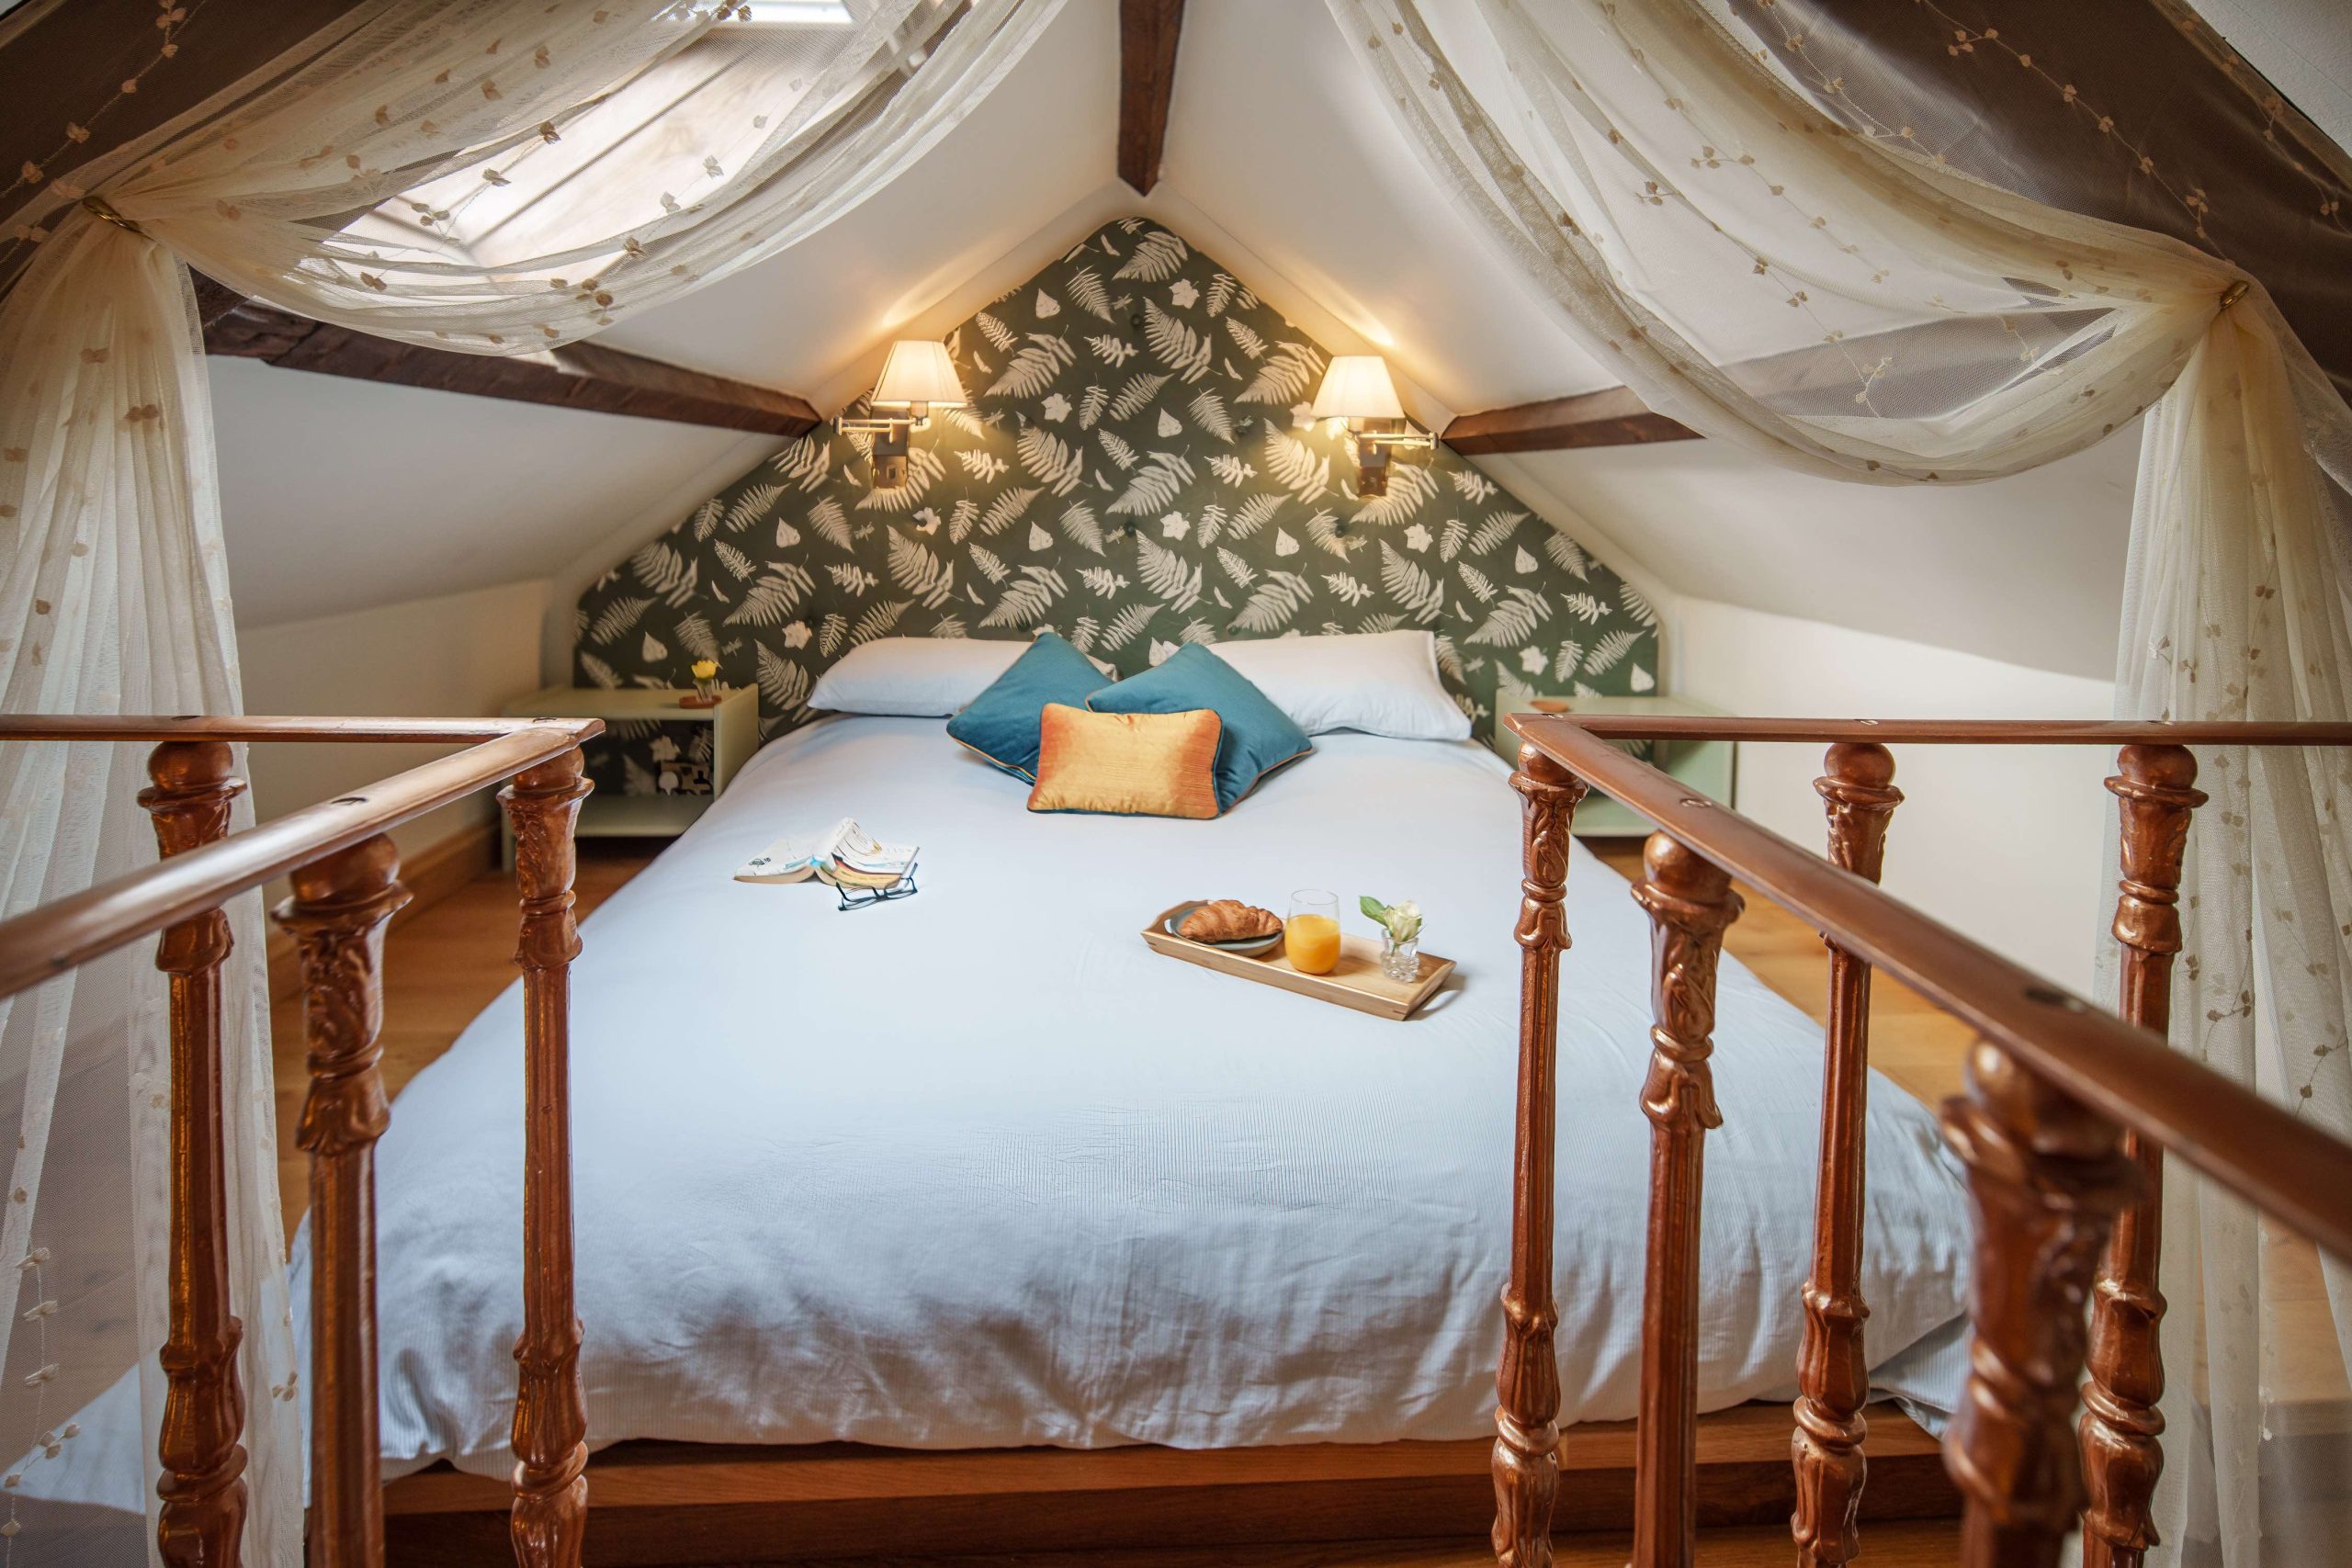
(1838,296)
(419,175)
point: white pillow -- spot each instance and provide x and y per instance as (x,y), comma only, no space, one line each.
(920,677)
(1380,683)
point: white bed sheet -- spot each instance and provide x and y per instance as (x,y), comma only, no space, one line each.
(980,1168)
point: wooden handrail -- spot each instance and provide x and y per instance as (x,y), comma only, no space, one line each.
(346,887)
(199,727)
(2283,1165)
(1945,731)
(52,938)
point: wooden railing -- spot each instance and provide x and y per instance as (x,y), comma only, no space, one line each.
(2066,1116)
(345,875)
(2063,1126)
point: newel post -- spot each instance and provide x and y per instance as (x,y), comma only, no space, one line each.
(2046,1176)
(1833,1372)
(2120,1425)
(1690,904)
(1527,1384)
(337,916)
(203,1463)
(549,1517)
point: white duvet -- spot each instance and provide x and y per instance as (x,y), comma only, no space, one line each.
(979,1168)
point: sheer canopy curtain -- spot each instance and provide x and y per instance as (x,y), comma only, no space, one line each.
(407,176)
(1840,298)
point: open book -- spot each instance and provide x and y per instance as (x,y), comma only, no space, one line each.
(843,855)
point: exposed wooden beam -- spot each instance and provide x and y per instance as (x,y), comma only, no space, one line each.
(584,376)
(1147,30)
(1612,417)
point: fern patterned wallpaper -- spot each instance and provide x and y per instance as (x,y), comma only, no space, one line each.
(1137,470)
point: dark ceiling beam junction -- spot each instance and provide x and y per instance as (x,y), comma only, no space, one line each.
(1612,417)
(583,376)
(1147,30)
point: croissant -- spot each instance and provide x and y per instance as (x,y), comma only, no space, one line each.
(1228,920)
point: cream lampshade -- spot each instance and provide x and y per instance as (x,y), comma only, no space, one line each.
(1357,387)
(919,372)
(917,377)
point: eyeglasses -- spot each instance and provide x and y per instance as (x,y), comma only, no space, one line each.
(866,899)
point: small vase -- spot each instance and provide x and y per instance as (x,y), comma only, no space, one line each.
(1401,960)
(707,693)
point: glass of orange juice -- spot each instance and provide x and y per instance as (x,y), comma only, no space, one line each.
(1311,935)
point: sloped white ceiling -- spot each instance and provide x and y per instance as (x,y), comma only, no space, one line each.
(1041,142)
(2027,571)
(1301,161)
(342,494)
(2304,46)
(1277,133)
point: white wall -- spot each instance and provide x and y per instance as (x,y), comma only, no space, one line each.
(2304,46)
(2005,843)
(2027,569)
(458,655)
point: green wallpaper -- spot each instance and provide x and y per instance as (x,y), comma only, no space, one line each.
(1136,471)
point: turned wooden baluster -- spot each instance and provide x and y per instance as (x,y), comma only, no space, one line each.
(203,1481)
(2120,1425)
(549,1518)
(1833,1374)
(337,916)
(2046,1177)
(1689,902)
(1527,1384)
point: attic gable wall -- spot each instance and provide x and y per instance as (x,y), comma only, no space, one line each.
(1136,470)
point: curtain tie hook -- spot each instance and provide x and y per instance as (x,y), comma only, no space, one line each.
(97,206)
(2234,293)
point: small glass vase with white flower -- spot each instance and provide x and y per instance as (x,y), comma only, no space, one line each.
(1400,936)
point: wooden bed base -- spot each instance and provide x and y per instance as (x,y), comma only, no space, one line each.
(670,1504)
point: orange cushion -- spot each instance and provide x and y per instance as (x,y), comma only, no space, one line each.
(1128,764)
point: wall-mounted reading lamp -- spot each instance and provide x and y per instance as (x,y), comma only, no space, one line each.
(1357,388)
(917,377)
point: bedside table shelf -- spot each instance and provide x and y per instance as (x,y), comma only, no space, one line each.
(735,735)
(1711,767)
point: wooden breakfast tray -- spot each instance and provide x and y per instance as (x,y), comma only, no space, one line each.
(1355,981)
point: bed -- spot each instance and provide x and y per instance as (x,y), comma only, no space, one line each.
(978,1168)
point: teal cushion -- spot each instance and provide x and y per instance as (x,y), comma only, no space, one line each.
(1259,737)
(1001,724)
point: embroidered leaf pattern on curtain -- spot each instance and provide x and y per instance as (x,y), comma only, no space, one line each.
(1840,298)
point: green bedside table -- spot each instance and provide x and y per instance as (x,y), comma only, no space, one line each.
(1711,767)
(735,735)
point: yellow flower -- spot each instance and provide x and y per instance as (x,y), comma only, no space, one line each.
(704,669)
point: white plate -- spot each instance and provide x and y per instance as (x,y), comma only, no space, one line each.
(1248,947)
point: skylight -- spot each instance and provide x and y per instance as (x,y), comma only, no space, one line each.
(790,14)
